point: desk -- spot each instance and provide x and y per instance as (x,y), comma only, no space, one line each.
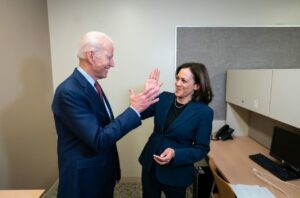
(21,193)
(231,157)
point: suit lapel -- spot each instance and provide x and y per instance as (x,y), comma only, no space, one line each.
(92,95)
(163,112)
(108,105)
(183,117)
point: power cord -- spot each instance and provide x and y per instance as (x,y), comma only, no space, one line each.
(293,185)
(262,176)
(287,183)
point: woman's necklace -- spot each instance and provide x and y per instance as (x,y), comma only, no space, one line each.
(177,105)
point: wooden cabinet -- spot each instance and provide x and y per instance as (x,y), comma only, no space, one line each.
(250,89)
(285,96)
(274,93)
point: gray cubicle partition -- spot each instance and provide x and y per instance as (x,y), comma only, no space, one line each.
(221,48)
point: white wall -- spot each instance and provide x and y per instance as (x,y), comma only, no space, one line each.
(144,36)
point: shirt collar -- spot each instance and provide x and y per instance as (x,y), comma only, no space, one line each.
(86,76)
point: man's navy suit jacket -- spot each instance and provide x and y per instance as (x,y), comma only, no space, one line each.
(87,154)
(189,135)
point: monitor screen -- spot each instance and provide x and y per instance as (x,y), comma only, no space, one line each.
(285,147)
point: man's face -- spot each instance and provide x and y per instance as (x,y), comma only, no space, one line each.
(103,60)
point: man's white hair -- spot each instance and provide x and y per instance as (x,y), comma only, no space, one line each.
(91,41)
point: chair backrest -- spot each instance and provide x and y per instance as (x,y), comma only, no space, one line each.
(225,191)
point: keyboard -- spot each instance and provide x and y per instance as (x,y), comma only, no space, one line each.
(276,169)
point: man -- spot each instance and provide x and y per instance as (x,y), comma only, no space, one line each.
(87,130)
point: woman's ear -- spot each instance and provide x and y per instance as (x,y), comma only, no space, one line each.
(196,87)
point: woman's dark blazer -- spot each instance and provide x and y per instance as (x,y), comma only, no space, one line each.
(189,135)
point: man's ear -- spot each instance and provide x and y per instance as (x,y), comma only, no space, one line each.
(90,57)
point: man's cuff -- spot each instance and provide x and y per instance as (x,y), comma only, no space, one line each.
(135,111)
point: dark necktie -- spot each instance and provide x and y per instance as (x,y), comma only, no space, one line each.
(100,93)
(99,90)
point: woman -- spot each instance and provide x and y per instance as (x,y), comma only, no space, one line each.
(181,134)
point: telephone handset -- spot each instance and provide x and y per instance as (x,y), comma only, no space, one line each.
(224,133)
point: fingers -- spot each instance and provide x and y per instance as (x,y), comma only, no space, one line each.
(165,157)
(143,100)
(154,74)
(160,160)
(151,75)
(152,80)
(160,84)
(153,101)
(151,83)
(164,154)
(147,97)
(151,93)
(131,91)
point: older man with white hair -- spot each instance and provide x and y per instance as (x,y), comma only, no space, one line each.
(87,131)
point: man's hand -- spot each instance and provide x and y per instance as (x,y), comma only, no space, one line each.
(148,96)
(143,100)
(165,157)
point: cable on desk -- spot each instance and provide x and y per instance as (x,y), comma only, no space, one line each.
(294,185)
(262,175)
(262,178)
(269,175)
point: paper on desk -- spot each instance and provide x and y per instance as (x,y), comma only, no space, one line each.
(251,191)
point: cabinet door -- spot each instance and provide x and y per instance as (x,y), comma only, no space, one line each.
(250,89)
(285,96)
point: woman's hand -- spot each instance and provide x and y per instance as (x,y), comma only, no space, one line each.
(165,157)
(152,80)
(149,95)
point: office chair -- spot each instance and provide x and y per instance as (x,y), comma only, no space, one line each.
(224,189)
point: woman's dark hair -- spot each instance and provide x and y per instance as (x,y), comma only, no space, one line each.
(199,71)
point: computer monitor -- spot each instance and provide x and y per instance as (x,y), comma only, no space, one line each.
(285,147)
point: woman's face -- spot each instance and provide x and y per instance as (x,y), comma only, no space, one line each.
(185,84)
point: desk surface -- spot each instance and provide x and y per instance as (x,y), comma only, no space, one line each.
(232,158)
(36,193)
